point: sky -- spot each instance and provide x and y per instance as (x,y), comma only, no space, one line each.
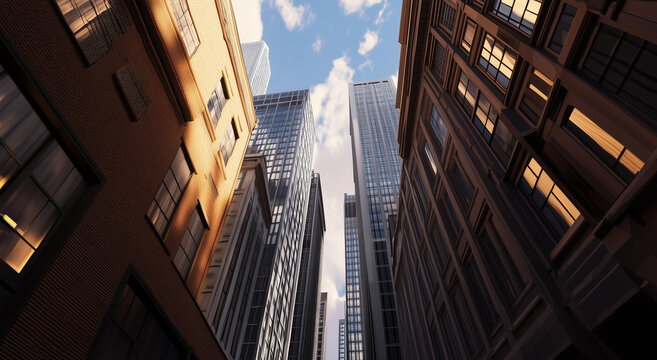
(322,45)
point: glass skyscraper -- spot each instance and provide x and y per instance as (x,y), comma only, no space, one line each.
(353,310)
(285,134)
(377,168)
(342,338)
(256,61)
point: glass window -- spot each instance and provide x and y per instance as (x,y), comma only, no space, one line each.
(497,60)
(447,16)
(230,136)
(563,26)
(461,182)
(521,14)
(438,64)
(536,95)
(503,142)
(185,25)
(44,180)
(606,147)
(429,157)
(94,25)
(438,126)
(554,206)
(469,335)
(466,94)
(217,101)
(481,296)
(169,193)
(485,118)
(190,243)
(468,35)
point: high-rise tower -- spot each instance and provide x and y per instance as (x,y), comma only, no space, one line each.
(353,306)
(377,166)
(342,340)
(320,344)
(256,60)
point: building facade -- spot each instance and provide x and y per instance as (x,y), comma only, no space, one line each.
(307,298)
(285,134)
(377,166)
(355,349)
(124,129)
(342,340)
(256,60)
(528,135)
(320,343)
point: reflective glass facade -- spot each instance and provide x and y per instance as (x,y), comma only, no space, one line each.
(342,337)
(256,60)
(353,312)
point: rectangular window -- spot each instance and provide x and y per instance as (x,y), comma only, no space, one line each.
(536,95)
(438,247)
(495,132)
(94,25)
(169,193)
(448,334)
(449,217)
(503,143)
(447,16)
(625,65)
(470,338)
(228,143)
(438,63)
(44,181)
(190,242)
(563,26)
(522,14)
(497,60)
(480,294)
(468,35)
(554,206)
(432,162)
(461,182)
(439,128)
(217,101)
(185,25)
(466,94)
(606,147)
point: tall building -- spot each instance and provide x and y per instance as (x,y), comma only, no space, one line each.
(302,337)
(285,134)
(377,166)
(320,344)
(528,204)
(342,340)
(353,305)
(256,60)
(124,127)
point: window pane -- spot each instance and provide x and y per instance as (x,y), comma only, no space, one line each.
(563,26)
(521,14)
(185,25)
(13,250)
(497,60)
(468,35)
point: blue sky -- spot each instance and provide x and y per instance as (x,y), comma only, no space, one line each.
(322,45)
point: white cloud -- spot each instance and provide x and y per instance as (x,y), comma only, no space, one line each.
(249,19)
(317,44)
(352,6)
(394,78)
(367,64)
(330,101)
(295,17)
(370,39)
(379,18)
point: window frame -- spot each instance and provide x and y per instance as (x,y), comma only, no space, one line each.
(206,226)
(467,21)
(188,52)
(506,50)
(495,10)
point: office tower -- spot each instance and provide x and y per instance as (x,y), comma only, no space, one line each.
(285,134)
(228,285)
(342,341)
(302,338)
(256,60)
(320,345)
(527,206)
(116,173)
(353,308)
(377,166)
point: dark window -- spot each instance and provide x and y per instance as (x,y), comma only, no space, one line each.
(438,64)
(461,182)
(185,25)
(606,147)
(536,95)
(190,243)
(227,145)
(468,35)
(625,65)
(497,60)
(480,295)
(447,16)
(438,247)
(170,192)
(38,181)
(428,159)
(447,332)
(519,13)
(217,101)
(503,142)
(469,336)
(449,217)
(94,24)
(132,91)
(563,26)
(439,128)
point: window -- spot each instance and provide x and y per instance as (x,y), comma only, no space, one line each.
(552,203)
(521,14)
(606,147)
(466,94)
(44,181)
(432,162)
(217,101)
(169,193)
(447,16)
(461,182)
(495,132)
(563,26)
(449,217)
(469,336)
(185,25)
(497,60)
(536,95)
(438,126)
(94,25)
(503,143)
(485,118)
(480,294)
(228,143)
(468,35)
(190,242)
(438,64)
(625,65)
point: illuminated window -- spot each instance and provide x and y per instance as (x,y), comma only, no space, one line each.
(217,101)
(94,25)
(185,25)
(552,203)
(519,13)
(497,60)
(432,162)
(536,95)
(563,26)
(606,147)
(169,193)
(44,181)
(466,94)
(468,35)
(190,242)
(230,136)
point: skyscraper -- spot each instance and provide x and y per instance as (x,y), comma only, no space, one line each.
(342,340)
(528,205)
(307,298)
(353,305)
(285,134)
(320,344)
(256,60)
(377,166)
